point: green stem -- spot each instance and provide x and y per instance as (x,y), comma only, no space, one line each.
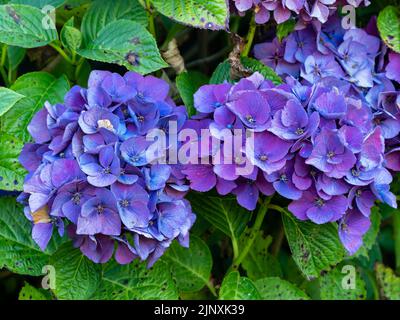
(150,16)
(396,234)
(211,287)
(253,234)
(249,37)
(276,246)
(2,63)
(4,76)
(61,52)
(78,68)
(3,55)
(277,208)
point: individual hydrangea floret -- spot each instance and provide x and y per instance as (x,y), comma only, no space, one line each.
(88,170)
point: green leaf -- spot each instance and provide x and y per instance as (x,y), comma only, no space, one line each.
(389,27)
(188,83)
(39,3)
(8,98)
(71,37)
(388,282)
(315,248)
(21,25)
(197,13)
(37,87)
(125,43)
(222,72)
(191,267)
(101,13)
(135,282)
(235,287)
(12,174)
(15,55)
(274,288)
(18,252)
(31,293)
(284,29)
(223,213)
(370,237)
(257,66)
(334,286)
(259,263)
(72,8)
(77,277)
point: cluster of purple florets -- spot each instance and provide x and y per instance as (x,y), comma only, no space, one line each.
(305,11)
(89,168)
(321,144)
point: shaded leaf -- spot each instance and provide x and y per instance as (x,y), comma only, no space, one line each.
(18,252)
(77,277)
(389,27)
(125,43)
(284,29)
(235,287)
(8,98)
(222,72)
(315,248)
(274,288)
(21,25)
(197,13)
(37,87)
(12,174)
(339,284)
(71,37)
(223,213)
(188,83)
(191,267)
(259,263)
(388,282)
(101,13)
(31,293)
(15,55)
(39,3)
(135,282)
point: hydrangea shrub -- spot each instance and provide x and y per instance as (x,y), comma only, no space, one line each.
(143,158)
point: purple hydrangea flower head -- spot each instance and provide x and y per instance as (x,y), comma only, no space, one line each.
(93,167)
(320,142)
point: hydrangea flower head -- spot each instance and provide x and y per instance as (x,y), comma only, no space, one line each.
(315,142)
(88,170)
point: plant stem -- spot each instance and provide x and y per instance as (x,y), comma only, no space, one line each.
(150,16)
(2,63)
(277,208)
(211,287)
(61,52)
(249,37)
(3,55)
(253,233)
(276,246)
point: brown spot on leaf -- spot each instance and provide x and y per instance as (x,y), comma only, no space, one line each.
(132,58)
